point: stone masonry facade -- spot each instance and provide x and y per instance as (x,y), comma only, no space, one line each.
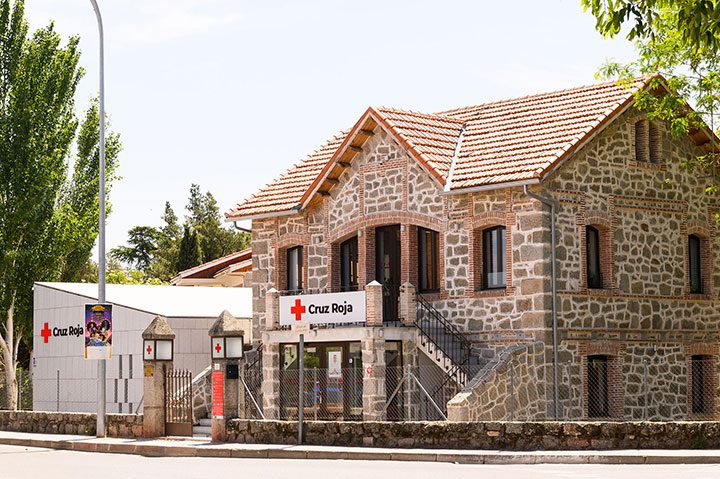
(644,319)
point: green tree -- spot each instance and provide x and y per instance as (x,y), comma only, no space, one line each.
(204,216)
(48,221)
(165,258)
(190,253)
(143,241)
(681,41)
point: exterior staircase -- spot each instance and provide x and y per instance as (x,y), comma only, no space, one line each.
(444,344)
(202,429)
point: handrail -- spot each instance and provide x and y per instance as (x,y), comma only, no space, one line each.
(443,334)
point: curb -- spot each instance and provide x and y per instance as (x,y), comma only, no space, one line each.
(465,457)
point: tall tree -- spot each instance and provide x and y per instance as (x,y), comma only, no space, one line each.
(165,258)
(143,242)
(190,254)
(681,40)
(45,215)
(204,216)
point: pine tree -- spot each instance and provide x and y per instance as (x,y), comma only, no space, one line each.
(164,263)
(190,253)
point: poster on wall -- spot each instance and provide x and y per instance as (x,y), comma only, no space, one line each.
(98,331)
(334,364)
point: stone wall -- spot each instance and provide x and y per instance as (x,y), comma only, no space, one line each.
(118,425)
(644,212)
(512,387)
(645,319)
(517,436)
(202,395)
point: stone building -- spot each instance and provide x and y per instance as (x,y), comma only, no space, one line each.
(445,220)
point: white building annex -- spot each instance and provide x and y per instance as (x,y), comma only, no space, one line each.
(63,380)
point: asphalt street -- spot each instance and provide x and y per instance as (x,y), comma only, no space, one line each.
(27,462)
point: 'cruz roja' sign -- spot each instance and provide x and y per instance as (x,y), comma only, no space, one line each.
(331,308)
(46,332)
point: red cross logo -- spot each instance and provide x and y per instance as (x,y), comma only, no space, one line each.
(45,332)
(297,310)
(218,348)
(149,350)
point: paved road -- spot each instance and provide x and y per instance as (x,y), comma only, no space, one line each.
(26,462)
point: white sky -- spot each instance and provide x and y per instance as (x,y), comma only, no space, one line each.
(229,93)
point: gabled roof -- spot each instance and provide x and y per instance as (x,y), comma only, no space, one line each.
(211,268)
(484,146)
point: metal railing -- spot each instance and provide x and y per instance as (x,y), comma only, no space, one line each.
(445,337)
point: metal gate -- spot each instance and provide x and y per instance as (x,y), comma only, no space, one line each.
(178,403)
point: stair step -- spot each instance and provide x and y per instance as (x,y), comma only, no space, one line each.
(205,422)
(202,430)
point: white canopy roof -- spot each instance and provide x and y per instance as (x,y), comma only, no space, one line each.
(170,301)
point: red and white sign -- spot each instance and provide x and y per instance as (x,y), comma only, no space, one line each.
(218,346)
(330,308)
(218,395)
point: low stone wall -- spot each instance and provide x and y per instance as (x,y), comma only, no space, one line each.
(517,436)
(118,425)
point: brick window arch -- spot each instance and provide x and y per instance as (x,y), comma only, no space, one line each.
(597,253)
(698,262)
(490,253)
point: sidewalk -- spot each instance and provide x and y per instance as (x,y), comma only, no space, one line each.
(181,447)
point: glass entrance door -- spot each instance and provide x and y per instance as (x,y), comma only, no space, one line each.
(387,268)
(332,381)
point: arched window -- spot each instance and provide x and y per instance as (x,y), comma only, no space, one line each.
(427,260)
(654,142)
(493,258)
(641,141)
(349,264)
(592,257)
(695,264)
(294,265)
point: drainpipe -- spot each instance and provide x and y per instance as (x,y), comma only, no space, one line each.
(553,205)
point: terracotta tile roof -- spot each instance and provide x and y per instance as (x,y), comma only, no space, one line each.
(522,138)
(504,141)
(209,269)
(284,193)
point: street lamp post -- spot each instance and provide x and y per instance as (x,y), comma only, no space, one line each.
(102,364)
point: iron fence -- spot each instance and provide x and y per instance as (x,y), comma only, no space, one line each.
(413,393)
(603,388)
(24,390)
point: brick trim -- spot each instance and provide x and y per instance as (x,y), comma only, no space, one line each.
(703,231)
(382,219)
(615,352)
(602,221)
(478,224)
(712,351)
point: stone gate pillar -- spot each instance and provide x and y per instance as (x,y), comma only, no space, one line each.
(271,380)
(157,361)
(408,304)
(227,365)
(373,360)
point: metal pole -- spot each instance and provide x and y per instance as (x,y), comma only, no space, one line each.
(316,388)
(57,391)
(102,366)
(301,387)
(553,271)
